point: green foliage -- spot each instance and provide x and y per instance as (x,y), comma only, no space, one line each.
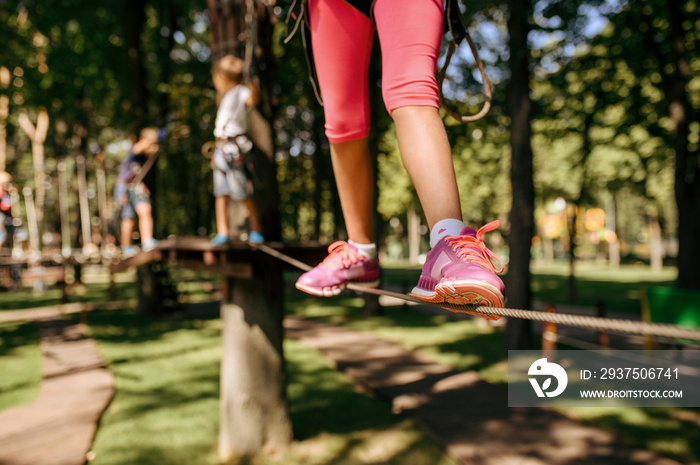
(601,125)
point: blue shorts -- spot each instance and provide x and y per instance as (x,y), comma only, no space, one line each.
(138,196)
(229,181)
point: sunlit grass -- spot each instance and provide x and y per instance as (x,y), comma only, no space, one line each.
(619,289)
(166,409)
(671,432)
(20,364)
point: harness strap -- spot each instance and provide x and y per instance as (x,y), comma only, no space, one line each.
(459,32)
(297,18)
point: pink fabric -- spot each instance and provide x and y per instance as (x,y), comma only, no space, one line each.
(409,35)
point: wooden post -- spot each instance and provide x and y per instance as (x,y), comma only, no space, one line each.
(549,332)
(4,112)
(66,249)
(37,135)
(254,414)
(603,338)
(85,225)
(32,225)
(649,343)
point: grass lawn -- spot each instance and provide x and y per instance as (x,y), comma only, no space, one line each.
(166,407)
(95,289)
(20,364)
(165,410)
(620,289)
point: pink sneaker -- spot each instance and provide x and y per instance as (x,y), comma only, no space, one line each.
(459,271)
(343,265)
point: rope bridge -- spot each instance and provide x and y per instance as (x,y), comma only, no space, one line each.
(597,323)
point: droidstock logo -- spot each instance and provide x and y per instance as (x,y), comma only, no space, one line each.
(543,368)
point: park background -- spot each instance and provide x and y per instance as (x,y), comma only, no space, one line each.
(589,155)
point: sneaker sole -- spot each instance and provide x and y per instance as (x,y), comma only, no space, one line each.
(335,290)
(463,293)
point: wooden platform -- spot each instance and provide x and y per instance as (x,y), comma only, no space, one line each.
(233,260)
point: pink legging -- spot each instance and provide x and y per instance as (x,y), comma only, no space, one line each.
(409,35)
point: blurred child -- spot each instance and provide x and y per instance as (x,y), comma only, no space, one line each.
(231,177)
(6,222)
(133,196)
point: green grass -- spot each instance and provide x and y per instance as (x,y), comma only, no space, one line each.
(91,292)
(670,432)
(20,364)
(619,289)
(166,409)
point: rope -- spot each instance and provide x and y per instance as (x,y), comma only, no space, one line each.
(583,321)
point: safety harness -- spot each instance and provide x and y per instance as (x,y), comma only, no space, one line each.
(297,18)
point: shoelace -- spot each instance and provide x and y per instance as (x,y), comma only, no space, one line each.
(473,248)
(341,255)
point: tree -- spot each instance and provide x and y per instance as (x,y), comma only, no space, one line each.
(522,210)
(687,160)
(254,415)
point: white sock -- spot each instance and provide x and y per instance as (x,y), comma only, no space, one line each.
(368,251)
(446,227)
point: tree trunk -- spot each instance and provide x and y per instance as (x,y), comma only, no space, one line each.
(254,415)
(687,172)
(138,93)
(4,112)
(656,249)
(614,242)
(413,227)
(571,281)
(518,332)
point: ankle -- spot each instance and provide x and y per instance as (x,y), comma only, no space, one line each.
(444,228)
(369,251)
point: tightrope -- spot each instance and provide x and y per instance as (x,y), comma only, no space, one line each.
(610,324)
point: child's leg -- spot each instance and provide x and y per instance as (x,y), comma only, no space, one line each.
(342,44)
(252,214)
(458,268)
(353,176)
(422,139)
(127,229)
(221,211)
(410,40)
(145,214)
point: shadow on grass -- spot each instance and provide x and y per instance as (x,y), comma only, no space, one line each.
(322,400)
(673,433)
(16,335)
(487,348)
